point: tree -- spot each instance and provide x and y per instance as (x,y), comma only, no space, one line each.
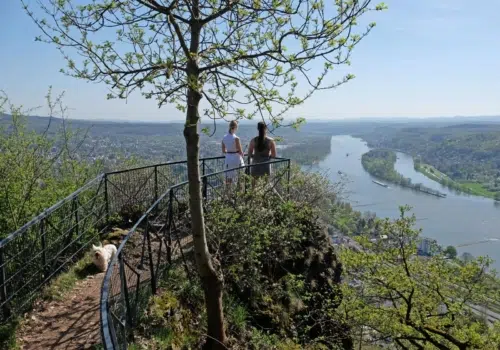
(37,167)
(246,58)
(417,303)
(466,256)
(450,252)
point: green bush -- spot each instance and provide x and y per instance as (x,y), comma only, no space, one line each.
(278,262)
(37,168)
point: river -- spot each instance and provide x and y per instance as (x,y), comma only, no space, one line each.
(455,220)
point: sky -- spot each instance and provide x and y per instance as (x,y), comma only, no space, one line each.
(425,58)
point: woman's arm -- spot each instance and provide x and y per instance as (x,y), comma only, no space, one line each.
(273,149)
(238,146)
(223,148)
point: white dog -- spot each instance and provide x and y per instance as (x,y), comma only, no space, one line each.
(103,255)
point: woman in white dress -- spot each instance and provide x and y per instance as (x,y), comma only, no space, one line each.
(231,147)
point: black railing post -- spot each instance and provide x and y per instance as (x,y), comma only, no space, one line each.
(156,183)
(203,166)
(3,287)
(123,278)
(143,251)
(151,263)
(288,177)
(44,247)
(204,179)
(106,197)
(170,221)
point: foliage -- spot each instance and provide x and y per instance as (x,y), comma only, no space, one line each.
(8,340)
(421,303)
(245,58)
(380,163)
(37,169)
(445,180)
(64,283)
(467,153)
(466,257)
(450,252)
(278,261)
(309,153)
(313,189)
(175,316)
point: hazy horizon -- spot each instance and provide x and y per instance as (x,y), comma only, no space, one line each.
(485,118)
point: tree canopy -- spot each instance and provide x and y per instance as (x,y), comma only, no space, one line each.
(246,58)
(417,302)
(37,168)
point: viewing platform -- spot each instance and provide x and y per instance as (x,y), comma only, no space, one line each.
(151,204)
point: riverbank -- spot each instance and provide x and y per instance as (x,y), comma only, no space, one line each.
(434,174)
(450,221)
(380,164)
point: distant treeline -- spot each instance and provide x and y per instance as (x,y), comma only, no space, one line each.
(380,163)
(307,153)
(467,153)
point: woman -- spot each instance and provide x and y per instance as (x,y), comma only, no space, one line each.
(261,150)
(231,148)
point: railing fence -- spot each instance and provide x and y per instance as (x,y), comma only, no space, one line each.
(160,239)
(50,243)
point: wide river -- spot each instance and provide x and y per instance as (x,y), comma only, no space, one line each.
(456,220)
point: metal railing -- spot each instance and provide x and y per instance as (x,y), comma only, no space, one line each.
(47,245)
(160,238)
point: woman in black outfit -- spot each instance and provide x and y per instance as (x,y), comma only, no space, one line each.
(262,148)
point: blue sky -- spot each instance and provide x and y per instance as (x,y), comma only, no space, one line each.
(425,58)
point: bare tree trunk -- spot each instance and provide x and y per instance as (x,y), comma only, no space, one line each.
(212,282)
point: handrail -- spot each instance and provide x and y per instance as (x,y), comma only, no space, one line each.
(106,331)
(48,211)
(99,177)
(63,232)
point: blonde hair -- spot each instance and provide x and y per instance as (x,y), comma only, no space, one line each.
(233,124)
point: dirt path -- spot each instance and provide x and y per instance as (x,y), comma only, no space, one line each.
(73,323)
(69,324)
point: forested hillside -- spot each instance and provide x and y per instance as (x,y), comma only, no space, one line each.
(467,153)
(380,163)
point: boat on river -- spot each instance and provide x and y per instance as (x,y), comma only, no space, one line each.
(380,184)
(431,192)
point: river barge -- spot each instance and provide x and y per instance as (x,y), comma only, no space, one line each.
(380,184)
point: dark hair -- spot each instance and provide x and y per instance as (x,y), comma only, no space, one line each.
(262,127)
(233,124)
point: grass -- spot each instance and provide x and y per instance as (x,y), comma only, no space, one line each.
(432,173)
(236,315)
(478,189)
(474,188)
(55,291)
(8,336)
(80,270)
(66,281)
